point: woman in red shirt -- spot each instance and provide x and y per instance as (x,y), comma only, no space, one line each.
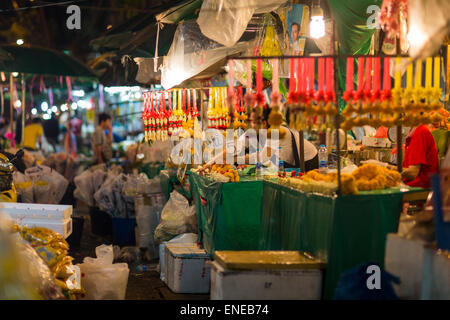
(421,157)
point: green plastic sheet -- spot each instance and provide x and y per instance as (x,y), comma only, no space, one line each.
(353,35)
(287,222)
(344,231)
(229,214)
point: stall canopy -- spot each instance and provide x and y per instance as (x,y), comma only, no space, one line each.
(42,61)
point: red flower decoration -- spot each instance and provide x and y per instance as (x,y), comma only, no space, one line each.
(260,100)
(347,96)
(386,95)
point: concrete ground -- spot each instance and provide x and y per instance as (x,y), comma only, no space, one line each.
(145,285)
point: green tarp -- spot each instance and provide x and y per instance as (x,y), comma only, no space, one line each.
(344,231)
(353,34)
(229,215)
(44,61)
(262,215)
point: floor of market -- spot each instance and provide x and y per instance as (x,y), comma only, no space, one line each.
(145,285)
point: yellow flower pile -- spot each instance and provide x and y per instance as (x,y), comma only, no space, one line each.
(373,177)
(366,178)
(52,247)
(219,172)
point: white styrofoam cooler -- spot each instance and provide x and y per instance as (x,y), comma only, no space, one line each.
(424,273)
(55,217)
(404,259)
(186,269)
(298,284)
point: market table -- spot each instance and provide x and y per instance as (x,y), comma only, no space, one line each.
(345,231)
(229,214)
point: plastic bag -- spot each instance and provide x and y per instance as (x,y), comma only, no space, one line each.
(191,53)
(226,21)
(38,272)
(428,25)
(177,217)
(102,279)
(24,187)
(111,199)
(49,185)
(89,182)
(148,213)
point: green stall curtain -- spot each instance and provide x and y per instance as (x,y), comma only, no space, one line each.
(228,214)
(353,35)
(343,231)
(292,220)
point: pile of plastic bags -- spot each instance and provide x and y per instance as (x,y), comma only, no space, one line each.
(40,184)
(63,164)
(90,181)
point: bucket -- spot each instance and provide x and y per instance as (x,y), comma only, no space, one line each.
(124,231)
(77,230)
(101,223)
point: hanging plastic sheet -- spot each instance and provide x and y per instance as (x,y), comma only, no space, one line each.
(353,33)
(225,21)
(191,53)
(428,26)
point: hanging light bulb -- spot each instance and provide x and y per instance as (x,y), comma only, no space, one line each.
(317,24)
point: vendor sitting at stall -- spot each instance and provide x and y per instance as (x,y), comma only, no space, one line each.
(289,151)
(290,144)
(421,157)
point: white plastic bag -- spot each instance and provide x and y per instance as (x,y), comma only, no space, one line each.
(225,21)
(148,213)
(191,53)
(49,186)
(24,187)
(428,24)
(102,279)
(177,217)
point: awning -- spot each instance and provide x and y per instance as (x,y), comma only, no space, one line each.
(42,61)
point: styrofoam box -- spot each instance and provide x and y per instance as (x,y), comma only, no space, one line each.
(64,228)
(37,211)
(55,217)
(405,259)
(299,284)
(436,276)
(162,259)
(186,269)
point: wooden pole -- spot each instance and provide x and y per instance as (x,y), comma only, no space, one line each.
(302,151)
(11,108)
(399,128)
(2,100)
(22,140)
